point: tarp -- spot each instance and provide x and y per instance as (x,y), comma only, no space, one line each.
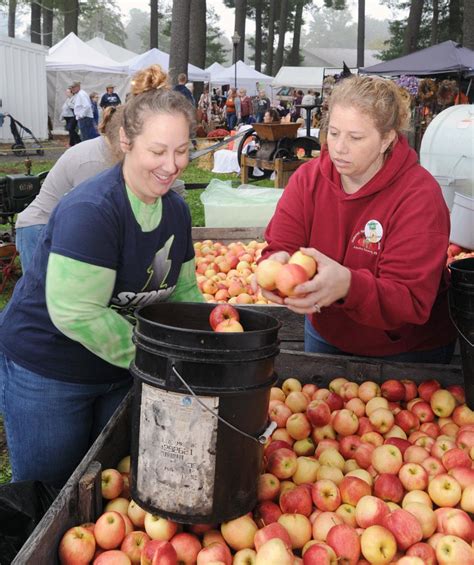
(446,57)
(215,68)
(114,52)
(74,60)
(156,57)
(299,77)
(247,78)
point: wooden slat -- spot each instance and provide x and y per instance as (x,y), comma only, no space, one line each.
(227,235)
(89,493)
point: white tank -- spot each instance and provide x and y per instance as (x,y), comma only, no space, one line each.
(447,151)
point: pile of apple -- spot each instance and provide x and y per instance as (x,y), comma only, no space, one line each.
(353,474)
(224,272)
(456,252)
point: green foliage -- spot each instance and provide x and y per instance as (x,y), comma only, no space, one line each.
(103,18)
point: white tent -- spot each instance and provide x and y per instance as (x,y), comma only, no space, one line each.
(115,52)
(23,86)
(215,68)
(246,77)
(73,60)
(156,57)
(299,77)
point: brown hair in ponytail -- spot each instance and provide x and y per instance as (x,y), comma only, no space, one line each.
(151,94)
(109,127)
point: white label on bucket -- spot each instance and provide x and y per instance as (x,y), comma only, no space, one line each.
(177,451)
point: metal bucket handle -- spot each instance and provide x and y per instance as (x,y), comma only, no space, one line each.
(261,439)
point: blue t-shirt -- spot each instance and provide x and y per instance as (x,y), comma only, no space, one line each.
(95,224)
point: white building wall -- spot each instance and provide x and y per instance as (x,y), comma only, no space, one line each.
(23,86)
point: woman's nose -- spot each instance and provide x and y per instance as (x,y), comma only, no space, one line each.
(341,144)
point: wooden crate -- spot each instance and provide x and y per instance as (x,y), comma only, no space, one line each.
(79,501)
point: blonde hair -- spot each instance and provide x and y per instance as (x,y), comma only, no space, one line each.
(151,94)
(109,127)
(376,97)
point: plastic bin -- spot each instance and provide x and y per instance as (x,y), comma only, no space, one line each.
(245,206)
(462,221)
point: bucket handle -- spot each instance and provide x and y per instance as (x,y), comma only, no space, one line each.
(455,324)
(261,439)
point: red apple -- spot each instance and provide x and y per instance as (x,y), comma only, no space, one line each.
(112,557)
(229,326)
(187,547)
(407,420)
(269,532)
(334,401)
(413,476)
(109,530)
(455,522)
(268,487)
(370,511)
(282,463)
(348,446)
(266,273)
(133,545)
(267,512)
(425,516)
(411,390)
(289,277)
(453,550)
(393,390)
(402,444)
(424,551)
(239,532)
(352,489)
(387,459)
(456,457)
(326,495)
(405,528)
(323,522)
(465,477)
(298,426)
(214,553)
(77,547)
(296,501)
(427,388)
(458,392)
(299,529)
(111,483)
(444,490)
(274,445)
(388,487)
(345,542)
(222,312)
(345,422)
(305,261)
(319,554)
(274,551)
(423,411)
(318,413)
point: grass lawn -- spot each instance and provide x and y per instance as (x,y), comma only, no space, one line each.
(192,175)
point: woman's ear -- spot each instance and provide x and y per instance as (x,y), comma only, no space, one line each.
(388,140)
(125,144)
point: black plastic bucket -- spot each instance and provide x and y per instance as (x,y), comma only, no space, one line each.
(200,406)
(461,306)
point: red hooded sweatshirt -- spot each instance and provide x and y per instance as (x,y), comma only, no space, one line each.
(392,234)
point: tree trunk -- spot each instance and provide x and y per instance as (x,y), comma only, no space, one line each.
(361,34)
(197,40)
(468,25)
(11,17)
(271,38)
(47,13)
(258,35)
(35,27)
(179,45)
(240,15)
(71,16)
(153,24)
(294,57)
(455,20)
(435,22)
(281,36)
(413,27)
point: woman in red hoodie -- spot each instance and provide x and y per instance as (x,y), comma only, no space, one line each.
(377,224)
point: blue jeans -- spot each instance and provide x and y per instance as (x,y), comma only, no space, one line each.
(315,343)
(87,128)
(231,120)
(26,240)
(51,424)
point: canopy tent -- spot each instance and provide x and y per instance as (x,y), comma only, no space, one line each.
(247,78)
(156,57)
(114,52)
(299,77)
(215,68)
(446,57)
(73,60)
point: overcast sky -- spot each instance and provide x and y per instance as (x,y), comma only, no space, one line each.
(374,8)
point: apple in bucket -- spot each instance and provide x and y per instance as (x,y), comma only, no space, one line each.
(225,318)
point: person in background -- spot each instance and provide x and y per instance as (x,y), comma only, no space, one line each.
(73,167)
(183,89)
(308,99)
(109,98)
(366,211)
(271,116)
(204,106)
(67,114)
(83,112)
(232,108)
(263,104)
(95,109)
(297,99)
(245,106)
(120,240)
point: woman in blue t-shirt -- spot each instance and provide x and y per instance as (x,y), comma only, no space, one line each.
(119,240)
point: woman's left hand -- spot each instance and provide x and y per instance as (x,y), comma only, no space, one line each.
(331,283)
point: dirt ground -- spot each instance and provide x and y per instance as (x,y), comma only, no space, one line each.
(53,149)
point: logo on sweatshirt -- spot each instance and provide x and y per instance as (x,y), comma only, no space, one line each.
(369,238)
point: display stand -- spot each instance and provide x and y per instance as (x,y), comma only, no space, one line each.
(283,169)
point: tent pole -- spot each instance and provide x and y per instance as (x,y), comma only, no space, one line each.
(469,87)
